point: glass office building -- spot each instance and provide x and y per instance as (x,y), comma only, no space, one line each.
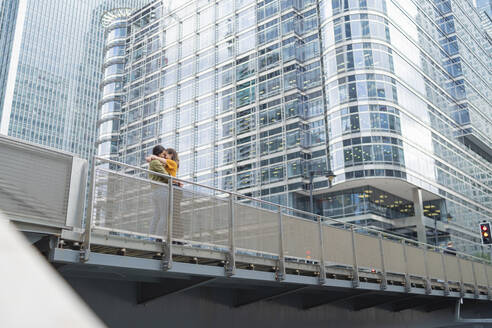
(484,7)
(50,70)
(8,12)
(265,97)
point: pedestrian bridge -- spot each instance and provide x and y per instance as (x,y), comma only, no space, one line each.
(212,237)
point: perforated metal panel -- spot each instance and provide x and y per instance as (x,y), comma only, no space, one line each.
(301,238)
(256,229)
(452,268)
(416,261)
(368,253)
(434,263)
(337,245)
(35,184)
(394,259)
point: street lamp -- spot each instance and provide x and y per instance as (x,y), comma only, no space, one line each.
(329,174)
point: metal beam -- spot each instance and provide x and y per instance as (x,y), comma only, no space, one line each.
(439,305)
(325,301)
(381,303)
(245,300)
(147,292)
(412,304)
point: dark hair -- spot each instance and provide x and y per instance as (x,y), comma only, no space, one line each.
(174,155)
(157,150)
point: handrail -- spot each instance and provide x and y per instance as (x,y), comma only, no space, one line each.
(280,207)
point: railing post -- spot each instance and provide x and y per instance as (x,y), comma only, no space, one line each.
(281,258)
(322,268)
(462,285)
(446,281)
(428,286)
(167,258)
(355,270)
(384,280)
(475,283)
(85,250)
(230,265)
(408,282)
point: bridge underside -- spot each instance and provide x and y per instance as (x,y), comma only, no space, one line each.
(131,291)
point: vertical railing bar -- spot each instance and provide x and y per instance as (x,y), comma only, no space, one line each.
(230,265)
(167,259)
(138,204)
(85,250)
(462,285)
(445,273)
(355,269)
(428,286)
(281,257)
(384,280)
(475,283)
(408,283)
(322,267)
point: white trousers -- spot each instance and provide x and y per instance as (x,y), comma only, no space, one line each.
(160,199)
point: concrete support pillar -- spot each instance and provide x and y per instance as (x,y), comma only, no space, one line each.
(419,214)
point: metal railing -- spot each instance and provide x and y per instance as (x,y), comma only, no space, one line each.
(128,204)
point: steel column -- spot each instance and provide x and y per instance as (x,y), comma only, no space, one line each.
(355,269)
(428,286)
(167,258)
(281,258)
(322,268)
(446,281)
(462,285)
(85,249)
(230,265)
(408,283)
(384,280)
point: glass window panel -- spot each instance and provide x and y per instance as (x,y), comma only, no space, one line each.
(168,122)
(187,91)
(206,108)
(187,68)
(225,51)
(169,98)
(206,60)
(246,41)
(172,34)
(188,26)
(206,83)
(206,38)
(246,19)
(225,29)
(169,76)
(188,47)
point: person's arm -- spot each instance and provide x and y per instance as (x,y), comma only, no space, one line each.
(153,157)
(156,166)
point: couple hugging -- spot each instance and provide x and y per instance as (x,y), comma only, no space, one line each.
(163,161)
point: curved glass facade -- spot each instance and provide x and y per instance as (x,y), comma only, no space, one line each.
(257,96)
(112,84)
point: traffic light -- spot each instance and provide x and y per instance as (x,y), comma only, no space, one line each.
(485,233)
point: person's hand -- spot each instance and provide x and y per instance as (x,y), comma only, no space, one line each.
(148,159)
